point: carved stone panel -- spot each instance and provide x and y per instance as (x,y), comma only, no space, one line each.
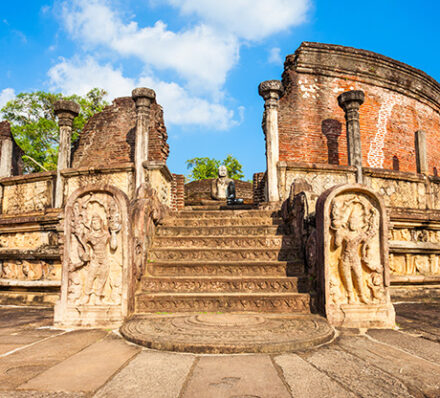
(30,270)
(96,258)
(353,258)
(27,197)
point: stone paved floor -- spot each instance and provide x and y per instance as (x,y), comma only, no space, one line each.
(39,361)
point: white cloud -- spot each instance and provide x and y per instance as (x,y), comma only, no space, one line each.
(275,56)
(199,54)
(248,19)
(6,95)
(181,108)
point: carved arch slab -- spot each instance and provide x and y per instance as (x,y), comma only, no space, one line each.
(352,258)
(97,274)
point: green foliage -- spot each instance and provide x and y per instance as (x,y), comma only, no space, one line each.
(35,128)
(203,168)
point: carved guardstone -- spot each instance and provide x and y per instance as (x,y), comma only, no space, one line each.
(353,268)
(96,277)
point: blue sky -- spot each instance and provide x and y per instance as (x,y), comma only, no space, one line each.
(204,58)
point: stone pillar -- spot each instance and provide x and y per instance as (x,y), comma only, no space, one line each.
(271,90)
(421,154)
(66,111)
(143,97)
(350,102)
(6,158)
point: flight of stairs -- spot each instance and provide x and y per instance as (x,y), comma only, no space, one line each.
(208,260)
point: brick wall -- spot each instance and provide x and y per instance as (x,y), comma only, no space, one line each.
(109,136)
(258,184)
(178,192)
(399,100)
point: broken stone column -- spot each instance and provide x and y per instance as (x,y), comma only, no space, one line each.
(350,102)
(143,97)
(6,155)
(421,154)
(271,90)
(66,111)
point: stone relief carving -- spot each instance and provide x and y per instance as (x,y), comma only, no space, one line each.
(352,264)
(95,223)
(414,264)
(96,261)
(27,270)
(354,224)
(25,198)
(146,212)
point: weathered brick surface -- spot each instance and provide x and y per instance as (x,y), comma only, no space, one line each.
(109,136)
(17,152)
(178,192)
(399,100)
(258,184)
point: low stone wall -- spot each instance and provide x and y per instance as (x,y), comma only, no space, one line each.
(196,191)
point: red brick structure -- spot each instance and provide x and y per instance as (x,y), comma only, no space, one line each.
(178,192)
(399,100)
(109,136)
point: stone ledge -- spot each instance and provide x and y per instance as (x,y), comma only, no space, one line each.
(28,178)
(21,283)
(414,247)
(161,166)
(127,167)
(414,279)
(319,167)
(49,253)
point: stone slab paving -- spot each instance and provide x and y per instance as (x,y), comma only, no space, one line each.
(51,363)
(87,370)
(235,376)
(151,373)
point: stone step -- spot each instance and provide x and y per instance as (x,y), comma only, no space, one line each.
(220,222)
(248,254)
(226,242)
(221,206)
(249,230)
(226,268)
(226,214)
(231,302)
(224,285)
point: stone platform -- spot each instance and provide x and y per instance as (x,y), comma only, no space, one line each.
(213,333)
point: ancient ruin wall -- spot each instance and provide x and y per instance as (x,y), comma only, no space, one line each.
(108,138)
(399,100)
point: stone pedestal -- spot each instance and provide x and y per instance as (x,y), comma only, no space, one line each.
(352,258)
(66,112)
(271,90)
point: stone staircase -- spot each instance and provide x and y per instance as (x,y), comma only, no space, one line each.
(210,260)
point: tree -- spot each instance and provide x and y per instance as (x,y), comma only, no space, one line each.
(35,128)
(203,168)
